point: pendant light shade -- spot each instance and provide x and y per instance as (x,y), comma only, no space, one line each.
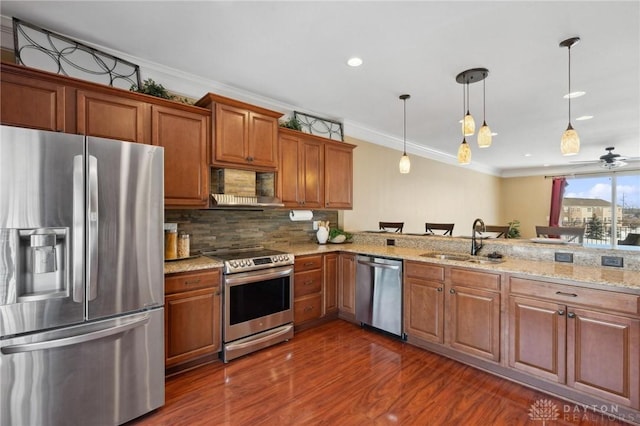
(468,123)
(464,152)
(484,134)
(405,163)
(570,141)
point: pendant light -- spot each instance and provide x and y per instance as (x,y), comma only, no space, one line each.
(484,134)
(405,163)
(570,142)
(468,123)
(464,151)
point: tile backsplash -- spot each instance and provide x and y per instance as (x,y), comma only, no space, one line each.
(241,228)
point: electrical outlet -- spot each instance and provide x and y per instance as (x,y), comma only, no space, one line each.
(315,225)
(391,242)
(616,261)
(564,257)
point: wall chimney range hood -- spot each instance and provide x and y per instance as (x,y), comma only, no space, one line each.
(233,189)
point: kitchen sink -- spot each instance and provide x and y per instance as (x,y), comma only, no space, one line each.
(447,256)
(462,258)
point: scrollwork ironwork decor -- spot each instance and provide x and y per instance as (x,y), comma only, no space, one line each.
(319,126)
(40,48)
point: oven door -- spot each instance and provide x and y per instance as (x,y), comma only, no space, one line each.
(257,301)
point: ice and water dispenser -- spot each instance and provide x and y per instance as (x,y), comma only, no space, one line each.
(37,262)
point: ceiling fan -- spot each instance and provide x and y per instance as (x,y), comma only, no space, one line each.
(610,160)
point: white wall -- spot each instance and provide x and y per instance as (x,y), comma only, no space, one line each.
(433,191)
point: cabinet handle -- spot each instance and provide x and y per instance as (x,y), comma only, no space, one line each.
(308,263)
(440,289)
(192,282)
(561,293)
(308,282)
(249,159)
(561,312)
(308,308)
(571,315)
(452,291)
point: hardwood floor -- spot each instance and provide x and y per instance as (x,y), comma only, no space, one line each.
(341,374)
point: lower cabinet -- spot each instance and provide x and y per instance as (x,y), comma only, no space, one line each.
(347,286)
(192,319)
(559,333)
(307,288)
(453,306)
(330,283)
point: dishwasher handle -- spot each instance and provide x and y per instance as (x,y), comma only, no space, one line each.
(379,265)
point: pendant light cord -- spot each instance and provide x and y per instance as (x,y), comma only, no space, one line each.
(404,127)
(484,101)
(569,78)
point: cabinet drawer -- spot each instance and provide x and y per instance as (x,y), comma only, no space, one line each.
(475,279)
(424,271)
(307,283)
(573,295)
(186,281)
(306,308)
(306,263)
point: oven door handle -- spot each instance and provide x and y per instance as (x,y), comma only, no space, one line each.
(240,279)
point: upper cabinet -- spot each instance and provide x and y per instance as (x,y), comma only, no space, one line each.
(314,172)
(29,100)
(244,136)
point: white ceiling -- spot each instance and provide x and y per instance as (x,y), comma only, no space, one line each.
(294,54)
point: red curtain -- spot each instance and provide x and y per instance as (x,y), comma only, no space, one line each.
(557,193)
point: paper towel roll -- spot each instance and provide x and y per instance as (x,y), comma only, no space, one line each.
(298,215)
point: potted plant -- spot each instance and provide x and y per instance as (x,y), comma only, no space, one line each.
(291,123)
(514,229)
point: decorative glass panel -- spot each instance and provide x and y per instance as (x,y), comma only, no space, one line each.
(319,126)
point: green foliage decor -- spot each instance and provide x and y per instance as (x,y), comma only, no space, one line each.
(514,229)
(334,232)
(291,123)
(150,87)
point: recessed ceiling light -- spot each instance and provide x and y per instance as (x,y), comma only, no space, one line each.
(527,154)
(584,117)
(354,62)
(574,95)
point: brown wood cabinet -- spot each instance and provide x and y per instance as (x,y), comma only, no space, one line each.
(192,318)
(301,177)
(112,116)
(244,136)
(29,99)
(338,175)
(560,333)
(330,282)
(307,292)
(424,301)
(347,286)
(183,134)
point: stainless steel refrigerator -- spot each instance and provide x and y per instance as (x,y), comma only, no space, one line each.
(81,279)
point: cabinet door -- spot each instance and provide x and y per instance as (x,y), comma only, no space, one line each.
(183,135)
(338,176)
(424,309)
(33,103)
(114,117)
(312,173)
(231,135)
(347,286)
(263,141)
(330,283)
(603,355)
(192,325)
(474,321)
(537,337)
(291,192)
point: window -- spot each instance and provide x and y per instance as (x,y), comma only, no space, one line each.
(588,201)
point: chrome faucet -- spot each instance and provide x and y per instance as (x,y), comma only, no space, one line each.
(475,247)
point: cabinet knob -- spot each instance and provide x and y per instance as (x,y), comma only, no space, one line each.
(452,291)
(249,159)
(561,312)
(440,289)
(571,315)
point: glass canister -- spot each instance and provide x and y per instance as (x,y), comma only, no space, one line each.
(170,243)
(183,245)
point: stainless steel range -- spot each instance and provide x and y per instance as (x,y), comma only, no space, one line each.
(258,299)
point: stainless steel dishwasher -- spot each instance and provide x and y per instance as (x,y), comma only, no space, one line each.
(379,293)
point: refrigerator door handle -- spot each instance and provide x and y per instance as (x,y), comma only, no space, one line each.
(92,240)
(74,340)
(78,226)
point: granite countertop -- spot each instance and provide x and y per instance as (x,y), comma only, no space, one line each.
(195,263)
(602,277)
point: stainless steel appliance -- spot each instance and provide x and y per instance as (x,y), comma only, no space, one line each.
(379,293)
(258,299)
(81,279)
